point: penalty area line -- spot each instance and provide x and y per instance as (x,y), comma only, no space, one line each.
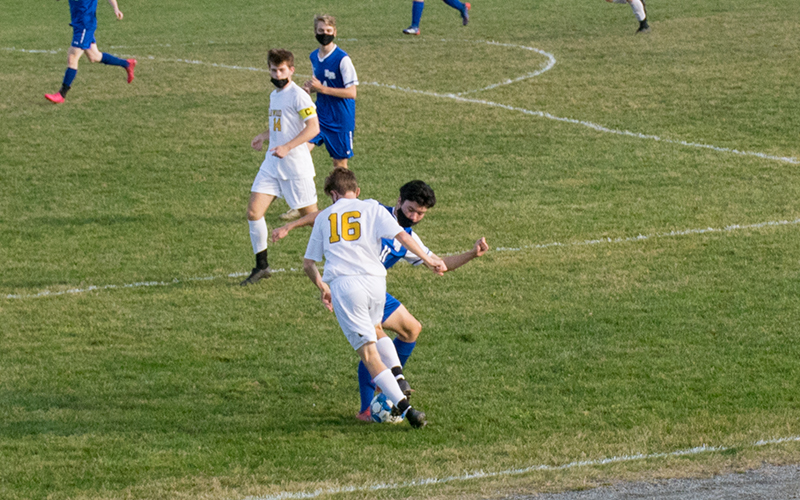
(480,474)
(540,246)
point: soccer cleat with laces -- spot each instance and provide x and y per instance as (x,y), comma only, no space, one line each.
(643,27)
(364,416)
(411,30)
(292,214)
(465,13)
(416,418)
(256,275)
(56,98)
(130,68)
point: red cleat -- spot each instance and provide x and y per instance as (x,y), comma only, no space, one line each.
(465,14)
(129,69)
(364,416)
(56,98)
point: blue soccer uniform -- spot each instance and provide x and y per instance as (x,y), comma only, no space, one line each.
(337,116)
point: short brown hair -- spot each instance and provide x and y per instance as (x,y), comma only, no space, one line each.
(326,19)
(341,180)
(276,57)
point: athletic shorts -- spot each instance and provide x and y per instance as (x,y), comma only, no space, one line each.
(83,32)
(298,193)
(358,304)
(392,304)
(338,144)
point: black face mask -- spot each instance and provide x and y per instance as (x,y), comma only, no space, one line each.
(324,39)
(279,83)
(402,219)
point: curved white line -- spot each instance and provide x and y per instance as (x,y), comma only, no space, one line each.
(598,241)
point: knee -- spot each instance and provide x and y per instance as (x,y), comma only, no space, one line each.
(94,57)
(411,331)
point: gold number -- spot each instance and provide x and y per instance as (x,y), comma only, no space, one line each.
(276,124)
(351,227)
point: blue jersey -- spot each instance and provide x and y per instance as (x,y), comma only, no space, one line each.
(392,251)
(335,114)
(81,8)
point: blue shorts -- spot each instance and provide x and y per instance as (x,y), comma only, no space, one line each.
(338,144)
(392,304)
(83,32)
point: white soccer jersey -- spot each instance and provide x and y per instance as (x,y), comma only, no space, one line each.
(288,111)
(348,234)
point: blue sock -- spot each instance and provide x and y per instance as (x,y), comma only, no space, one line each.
(365,386)
(416,13)
(69,76)
(113,61)
(404,350)
(456,5)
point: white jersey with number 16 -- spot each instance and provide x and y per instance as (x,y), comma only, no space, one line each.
(348,234)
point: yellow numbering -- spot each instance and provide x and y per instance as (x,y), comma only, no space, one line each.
(350,226)
(276,124)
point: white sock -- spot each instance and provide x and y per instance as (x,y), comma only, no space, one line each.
(258,234)
(388,352)
(638,10)
(386,381)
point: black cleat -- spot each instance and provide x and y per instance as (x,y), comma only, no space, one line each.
(643,27)
(416,418)
(405,387)
(256,275)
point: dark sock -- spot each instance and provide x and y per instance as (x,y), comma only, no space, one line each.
(366,387)
(64,90)
(643,24)
(261,259)
(403,405)
(397,371)
(113,61)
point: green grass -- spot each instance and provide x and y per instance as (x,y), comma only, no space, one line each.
(202,389)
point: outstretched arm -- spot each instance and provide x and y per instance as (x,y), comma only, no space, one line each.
(456,261)
(436,264)
(280,233)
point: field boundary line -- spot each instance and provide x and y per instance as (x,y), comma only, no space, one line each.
(480,474)
(539,246)
(460,98)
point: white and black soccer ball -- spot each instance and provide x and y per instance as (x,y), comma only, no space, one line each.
(380,409)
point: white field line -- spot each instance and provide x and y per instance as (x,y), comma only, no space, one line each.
(598,241)
(287,495)
(459,97)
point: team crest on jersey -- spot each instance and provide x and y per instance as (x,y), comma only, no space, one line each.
(330,75)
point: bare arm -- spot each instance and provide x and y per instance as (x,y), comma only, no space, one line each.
(283,231)
(310,268)
(310,131)
(456,261)
(315,85)
(436,264)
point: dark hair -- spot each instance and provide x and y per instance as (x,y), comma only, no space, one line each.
(418,192)
(340,180)
(276,57)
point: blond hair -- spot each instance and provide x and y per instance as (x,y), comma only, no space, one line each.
(325,19)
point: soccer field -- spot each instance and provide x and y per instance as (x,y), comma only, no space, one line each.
(636,316)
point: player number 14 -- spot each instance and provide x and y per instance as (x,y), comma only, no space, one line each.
(348,230)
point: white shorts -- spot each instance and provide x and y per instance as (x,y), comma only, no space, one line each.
(298,193)
(358,304)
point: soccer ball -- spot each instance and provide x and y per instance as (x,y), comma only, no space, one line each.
(380,409)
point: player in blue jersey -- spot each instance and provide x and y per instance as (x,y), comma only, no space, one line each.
(84,24)
(416,14)
(334,82)
(416,197)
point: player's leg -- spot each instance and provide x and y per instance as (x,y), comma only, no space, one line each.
(73,57)
(366,386)
(390,358)
(300,195)
(94,55)
(407,328)
(416,15)
(463,8)
(264,190)
(641,15)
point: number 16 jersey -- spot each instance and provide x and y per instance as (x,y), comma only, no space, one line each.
(348,234)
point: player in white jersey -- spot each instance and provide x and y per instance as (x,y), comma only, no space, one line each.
(287,171)
(639,10)
(354,281)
